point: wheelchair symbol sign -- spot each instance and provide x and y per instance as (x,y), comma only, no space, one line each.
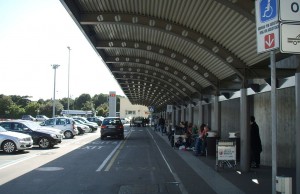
(268,10)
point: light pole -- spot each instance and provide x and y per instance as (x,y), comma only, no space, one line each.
(54,66)
(69,79)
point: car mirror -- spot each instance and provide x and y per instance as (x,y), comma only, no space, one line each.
(26,129)
(42,124)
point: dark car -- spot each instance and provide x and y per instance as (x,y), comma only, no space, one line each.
(113,127)
(43,137)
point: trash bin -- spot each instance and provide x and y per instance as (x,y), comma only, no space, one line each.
(211,140)
(235,136)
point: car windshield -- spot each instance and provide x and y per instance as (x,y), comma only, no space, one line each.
(112,121)
(79,121)
(2,129)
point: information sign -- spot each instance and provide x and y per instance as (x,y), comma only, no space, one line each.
(289,10)
(290,38)
(267,26)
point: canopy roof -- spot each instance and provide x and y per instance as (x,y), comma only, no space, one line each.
(172,51)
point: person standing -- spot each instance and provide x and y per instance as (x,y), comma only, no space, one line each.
(255,143)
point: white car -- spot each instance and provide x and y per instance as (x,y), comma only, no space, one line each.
(11,141)
(41,117)
(67,125)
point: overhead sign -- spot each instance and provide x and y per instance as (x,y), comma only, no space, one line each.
(290,38)
(289,10)
(267,26)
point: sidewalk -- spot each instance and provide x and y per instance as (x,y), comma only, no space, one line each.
(228,180)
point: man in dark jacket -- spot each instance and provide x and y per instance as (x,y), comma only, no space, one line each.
(255,143)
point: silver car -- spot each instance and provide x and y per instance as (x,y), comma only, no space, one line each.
(11,141)
(67,125)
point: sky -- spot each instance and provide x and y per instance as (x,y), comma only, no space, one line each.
(34,34)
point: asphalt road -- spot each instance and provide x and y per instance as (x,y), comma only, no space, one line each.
(142,163)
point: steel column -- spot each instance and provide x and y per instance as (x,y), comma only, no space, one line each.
(244,132)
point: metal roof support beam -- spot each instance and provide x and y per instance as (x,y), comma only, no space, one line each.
(165,52)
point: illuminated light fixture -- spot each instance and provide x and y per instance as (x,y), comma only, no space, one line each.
(239,172)
(185,33)
(173,55)
(169,27)
(151,22)
(255,181)
(149,47)
(206,74)
(215,49)
(169,80)
(100,18)
(184,61)
(183,89)
(162,77)
(117,18)
(138,70)
(195,67)
(161,51)
(135,20)
(145,78)
(166,68)
(129,69)
(229,59)
(117,59)
(127,59)
(192,83)
(110,44)
(137,60)
(200,40)
(184,77)
(121,69)
(136,45)
(157,64)
(175,72)
(177,93)
(147,62)
(123,44)
(177,84)
(146,71)
(124,76)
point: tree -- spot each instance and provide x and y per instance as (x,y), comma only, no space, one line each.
(99,99)
(102,109)
(47,109)
(79,102)
(33,108)
(5,103)
(20,100)
(64,102)
(15,111)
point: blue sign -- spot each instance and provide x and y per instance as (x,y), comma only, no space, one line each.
(268,10)
(151,108)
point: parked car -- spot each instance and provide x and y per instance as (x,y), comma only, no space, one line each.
(41,117)
(11,141)
(92,125)
(97,120)
(112,126)
(67,125)
(28,117)
(81,124)
(42,137)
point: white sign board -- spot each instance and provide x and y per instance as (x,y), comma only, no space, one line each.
(289,10)
(112,101)
(226,153)
(267,26)
(169,108)
(290,38)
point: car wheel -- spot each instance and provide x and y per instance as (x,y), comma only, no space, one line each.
(68,134)
(44,143)
(9,146)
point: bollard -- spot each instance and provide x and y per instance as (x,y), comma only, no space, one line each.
(284,184)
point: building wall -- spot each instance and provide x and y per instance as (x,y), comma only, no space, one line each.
(126,106)
(259,105)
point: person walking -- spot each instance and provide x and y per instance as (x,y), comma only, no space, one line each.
(255,143)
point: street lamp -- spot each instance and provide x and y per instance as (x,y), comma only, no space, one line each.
(69,78)
(54,66)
